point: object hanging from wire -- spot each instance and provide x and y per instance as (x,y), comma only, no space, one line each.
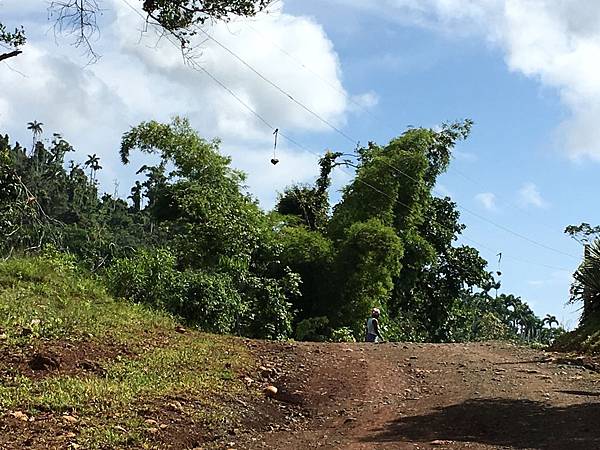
(274,160)
(499,255)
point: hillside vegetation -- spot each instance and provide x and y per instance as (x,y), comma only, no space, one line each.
(191,241)
(585,291)
(81,369)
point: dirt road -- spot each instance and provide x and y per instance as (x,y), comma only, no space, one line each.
(421,396)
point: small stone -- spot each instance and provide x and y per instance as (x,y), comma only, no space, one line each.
(180,329)
(271,391)
(151,422)
(20,416)
(176,406)
(153,430)
(70,419)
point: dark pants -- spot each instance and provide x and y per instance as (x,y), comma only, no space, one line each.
(370,337)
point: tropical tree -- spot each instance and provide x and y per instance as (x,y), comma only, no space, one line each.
(586,287)
(550,320)
(93,162)
(584,232)
(36,129)
(136,196)
(11,41)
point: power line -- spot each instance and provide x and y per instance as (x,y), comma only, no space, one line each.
(249,108)
(524,261)
(502,227)
(506,202)
(485,219)
(288,138)
(337,89)
(276,86)
(316,74)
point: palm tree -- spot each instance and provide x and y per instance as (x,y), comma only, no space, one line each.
(550,320)
(36,129)
(586,287)
(93,162)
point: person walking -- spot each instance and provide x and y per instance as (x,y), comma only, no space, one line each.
(372,332)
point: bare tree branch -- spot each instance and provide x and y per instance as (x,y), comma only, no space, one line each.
(79,19)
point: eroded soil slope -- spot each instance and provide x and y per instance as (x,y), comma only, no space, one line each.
(417,396)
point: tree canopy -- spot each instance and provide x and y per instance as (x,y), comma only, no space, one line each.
(189,239)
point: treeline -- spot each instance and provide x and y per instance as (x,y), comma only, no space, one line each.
(189,239)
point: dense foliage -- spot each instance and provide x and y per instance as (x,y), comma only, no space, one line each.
(586,284)
(191,241)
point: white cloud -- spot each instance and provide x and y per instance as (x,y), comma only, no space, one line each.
(365,101)
(556,42)
(487,200)
(140,78)
(529,195)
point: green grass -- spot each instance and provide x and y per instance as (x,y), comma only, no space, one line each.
(50,300)
(55,302)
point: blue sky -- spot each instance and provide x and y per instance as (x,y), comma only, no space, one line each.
(424,77)
(522,74)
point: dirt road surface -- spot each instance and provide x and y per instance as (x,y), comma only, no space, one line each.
(422,396)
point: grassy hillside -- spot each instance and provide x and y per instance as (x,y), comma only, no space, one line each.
(79,369)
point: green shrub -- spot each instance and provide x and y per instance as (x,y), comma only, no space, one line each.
(149,277)
(217,302)
(269,313)
(343,334)
(491,327)
(211,301)
(314,329)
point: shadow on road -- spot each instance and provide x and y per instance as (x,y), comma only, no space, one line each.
(501,422)
(582,393)
(530,361)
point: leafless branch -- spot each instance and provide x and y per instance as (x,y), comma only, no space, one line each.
(77,18)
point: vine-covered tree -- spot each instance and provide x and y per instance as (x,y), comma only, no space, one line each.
(191,240)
